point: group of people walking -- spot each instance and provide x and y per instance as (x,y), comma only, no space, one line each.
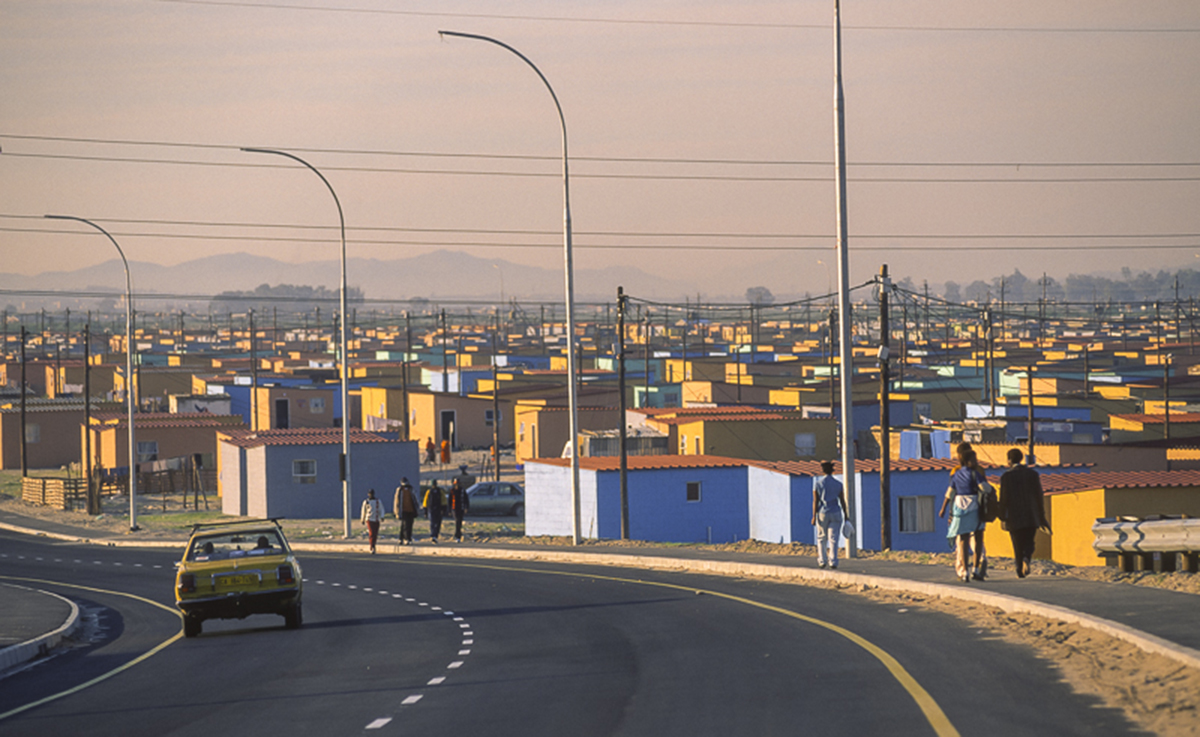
(972,503)
(436,503)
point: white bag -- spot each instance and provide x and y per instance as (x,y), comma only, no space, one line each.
(847,529)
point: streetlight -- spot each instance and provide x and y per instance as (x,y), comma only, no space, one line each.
(129,347)
(572,370)
(344,469)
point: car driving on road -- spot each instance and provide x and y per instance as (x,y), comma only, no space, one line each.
(497,497)
(232,570)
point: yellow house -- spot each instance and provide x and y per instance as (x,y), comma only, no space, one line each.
(745,432)
(1074,501)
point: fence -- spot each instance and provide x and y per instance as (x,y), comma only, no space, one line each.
(1154,543)
(58,493)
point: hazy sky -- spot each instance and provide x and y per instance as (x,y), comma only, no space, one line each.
(722,110)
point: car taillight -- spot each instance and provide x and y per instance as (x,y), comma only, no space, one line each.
(285,575)
(187,583)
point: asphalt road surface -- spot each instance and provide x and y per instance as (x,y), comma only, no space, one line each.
(399,646)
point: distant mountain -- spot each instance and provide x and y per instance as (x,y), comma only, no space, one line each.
(438,275)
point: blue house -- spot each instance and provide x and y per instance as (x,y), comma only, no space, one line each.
(296,473)
(685,499)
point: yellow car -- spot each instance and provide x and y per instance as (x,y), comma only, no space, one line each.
(235,569)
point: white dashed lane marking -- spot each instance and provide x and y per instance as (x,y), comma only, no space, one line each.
(413,699)
(379,723)
(468,642)
(436,681)
(455,664)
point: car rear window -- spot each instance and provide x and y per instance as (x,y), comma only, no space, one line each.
(226,545)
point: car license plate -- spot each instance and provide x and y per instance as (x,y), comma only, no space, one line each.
(231,581)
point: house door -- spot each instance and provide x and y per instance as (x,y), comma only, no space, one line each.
(449,427)
(281,414)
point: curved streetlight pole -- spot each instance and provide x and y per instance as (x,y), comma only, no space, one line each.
(344,466)
(572,368)
(129,348)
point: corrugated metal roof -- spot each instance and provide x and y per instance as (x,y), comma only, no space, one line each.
(641,463)
(297,436)
(1176,418)
(1059,483)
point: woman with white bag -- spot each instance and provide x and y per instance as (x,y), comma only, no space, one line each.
(966,521)
(829,511)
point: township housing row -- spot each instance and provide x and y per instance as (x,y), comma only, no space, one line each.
(742,412)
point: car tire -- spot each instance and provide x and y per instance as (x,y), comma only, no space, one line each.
(518,510)
(293,617)
(192,626)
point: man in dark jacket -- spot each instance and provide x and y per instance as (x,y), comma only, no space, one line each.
(1022,508)
(459,504)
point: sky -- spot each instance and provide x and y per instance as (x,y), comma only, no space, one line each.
(981,137)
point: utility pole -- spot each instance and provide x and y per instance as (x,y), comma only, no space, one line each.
(833,321)
(24,391)
(648,330)
(445,369)
(1167,403)
(622,434)
(495,403)
(93,494)
(885,420)
(254,378)
(404,370)
(1029,389)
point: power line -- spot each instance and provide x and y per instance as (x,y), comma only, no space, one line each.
(626,246)
(663,22)
(620,234)
(611,159)
(657,177)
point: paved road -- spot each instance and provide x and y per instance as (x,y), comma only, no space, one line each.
(410,646)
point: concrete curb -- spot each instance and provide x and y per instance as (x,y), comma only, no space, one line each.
(1012,604)
(22,652)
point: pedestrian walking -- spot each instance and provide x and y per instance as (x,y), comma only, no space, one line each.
(433,509)
(459,504)
(967,485)
(372,515)
(829,511)
(430,451)
(404,506)
(445,452)
(1022,509)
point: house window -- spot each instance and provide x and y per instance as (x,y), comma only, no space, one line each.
(33,433)
(521,433)
(693,491)
(806,444)
(683,445)
(317,405)
(488,417)
(923,410)
(699,449)
(304,472)
(147,450)
(916,514)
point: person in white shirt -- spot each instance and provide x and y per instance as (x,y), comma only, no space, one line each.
(372,515)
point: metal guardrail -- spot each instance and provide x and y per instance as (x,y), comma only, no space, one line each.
(1154,543)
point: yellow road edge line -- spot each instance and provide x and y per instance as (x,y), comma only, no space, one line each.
(103,676)
(925,702)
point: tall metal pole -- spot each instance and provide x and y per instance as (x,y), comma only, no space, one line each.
(93,496)
(569,267)
(129,349)
(622,432)
(885,417)
(345,392)
(404,370)
(839,115)
(24,391)
(253,376)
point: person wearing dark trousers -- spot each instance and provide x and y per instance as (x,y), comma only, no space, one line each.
(459,504)
(433,509)
(372,515)
(1022,509)
(404,506)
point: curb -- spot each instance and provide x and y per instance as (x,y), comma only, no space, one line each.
(1149,643)
(22,652)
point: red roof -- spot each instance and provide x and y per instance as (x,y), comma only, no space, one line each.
(298,436)
(1060,483)
(641,463)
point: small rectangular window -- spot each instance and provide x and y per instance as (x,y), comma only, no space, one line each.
(916,514)
(693,491)
(147,450)
(923,411)
(317,405)
(806,444)
(488,417)
(683,445)
(304,472)
(33,433)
